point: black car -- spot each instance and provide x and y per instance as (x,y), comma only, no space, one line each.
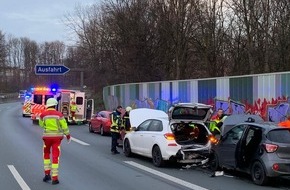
(261,149)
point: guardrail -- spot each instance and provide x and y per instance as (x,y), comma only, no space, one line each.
(7,97)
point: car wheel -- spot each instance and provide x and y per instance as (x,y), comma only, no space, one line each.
(91,128)
(102,130)
(258,174)
(127,148)
(214,162)
(157,157)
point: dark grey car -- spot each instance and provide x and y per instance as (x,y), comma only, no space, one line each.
(261,149)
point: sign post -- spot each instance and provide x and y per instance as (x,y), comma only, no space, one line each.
(51,69)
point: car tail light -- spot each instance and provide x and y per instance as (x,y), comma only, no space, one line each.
(169,136)
(270,147)
(212,139)
(275,167)
(108,123)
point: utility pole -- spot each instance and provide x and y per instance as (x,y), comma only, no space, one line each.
(81,70)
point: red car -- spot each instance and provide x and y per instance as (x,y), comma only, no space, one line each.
(100,123)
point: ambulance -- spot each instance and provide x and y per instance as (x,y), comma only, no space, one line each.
(85,108)
(65,98)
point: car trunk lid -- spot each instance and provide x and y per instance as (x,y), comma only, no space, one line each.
(190,112)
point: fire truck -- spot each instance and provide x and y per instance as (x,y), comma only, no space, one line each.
(65,98)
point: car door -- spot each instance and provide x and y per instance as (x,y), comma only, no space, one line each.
(228,145)
(137,137)
(151,135)
(93,121)
(98,121)
(249,145)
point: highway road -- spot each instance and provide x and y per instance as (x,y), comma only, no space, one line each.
(87,163)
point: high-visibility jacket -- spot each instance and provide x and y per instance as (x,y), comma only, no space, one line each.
(53,123)
(73,108)
(284,123)
(117,122)
(213,126)
(215,123)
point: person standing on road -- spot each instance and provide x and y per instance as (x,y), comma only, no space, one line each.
(115,128)
(55,127)
(73,110)
(126,123)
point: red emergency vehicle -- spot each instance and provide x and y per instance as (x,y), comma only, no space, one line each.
(65,99)
(38,100)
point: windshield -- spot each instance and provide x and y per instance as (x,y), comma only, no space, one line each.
(189,113)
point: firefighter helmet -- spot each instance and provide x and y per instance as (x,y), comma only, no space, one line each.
(128,109)
(51,102)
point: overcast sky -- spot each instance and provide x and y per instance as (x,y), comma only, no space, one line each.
(39,20)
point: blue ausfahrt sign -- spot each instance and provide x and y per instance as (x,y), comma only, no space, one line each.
(51,69)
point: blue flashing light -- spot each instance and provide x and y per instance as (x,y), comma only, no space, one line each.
(54,88)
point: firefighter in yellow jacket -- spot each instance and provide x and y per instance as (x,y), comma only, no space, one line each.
(115,129)
(55,127)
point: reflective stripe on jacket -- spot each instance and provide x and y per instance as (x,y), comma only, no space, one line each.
(116,121)
(53,123)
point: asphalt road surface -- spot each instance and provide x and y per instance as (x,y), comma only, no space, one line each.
(87,163)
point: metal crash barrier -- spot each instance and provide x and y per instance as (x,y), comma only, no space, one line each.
(7,97)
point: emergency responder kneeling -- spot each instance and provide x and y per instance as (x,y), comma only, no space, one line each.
(115,128)
(55,127)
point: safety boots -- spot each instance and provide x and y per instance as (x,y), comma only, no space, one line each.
(54,182)
(47,178)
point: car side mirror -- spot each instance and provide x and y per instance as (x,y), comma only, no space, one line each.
(133,128)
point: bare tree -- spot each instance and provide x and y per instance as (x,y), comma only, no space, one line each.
(2,60)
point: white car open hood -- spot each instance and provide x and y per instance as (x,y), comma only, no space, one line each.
(137,116)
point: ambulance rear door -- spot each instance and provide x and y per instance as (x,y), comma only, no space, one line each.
(64,104)
(90,109)
(80,102)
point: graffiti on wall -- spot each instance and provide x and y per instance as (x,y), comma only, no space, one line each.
(274,110)
(229,106)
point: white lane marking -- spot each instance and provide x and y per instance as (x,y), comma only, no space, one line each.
(165,176)
(79,141)
(18,178)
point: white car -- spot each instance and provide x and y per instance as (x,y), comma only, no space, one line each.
(180,136)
